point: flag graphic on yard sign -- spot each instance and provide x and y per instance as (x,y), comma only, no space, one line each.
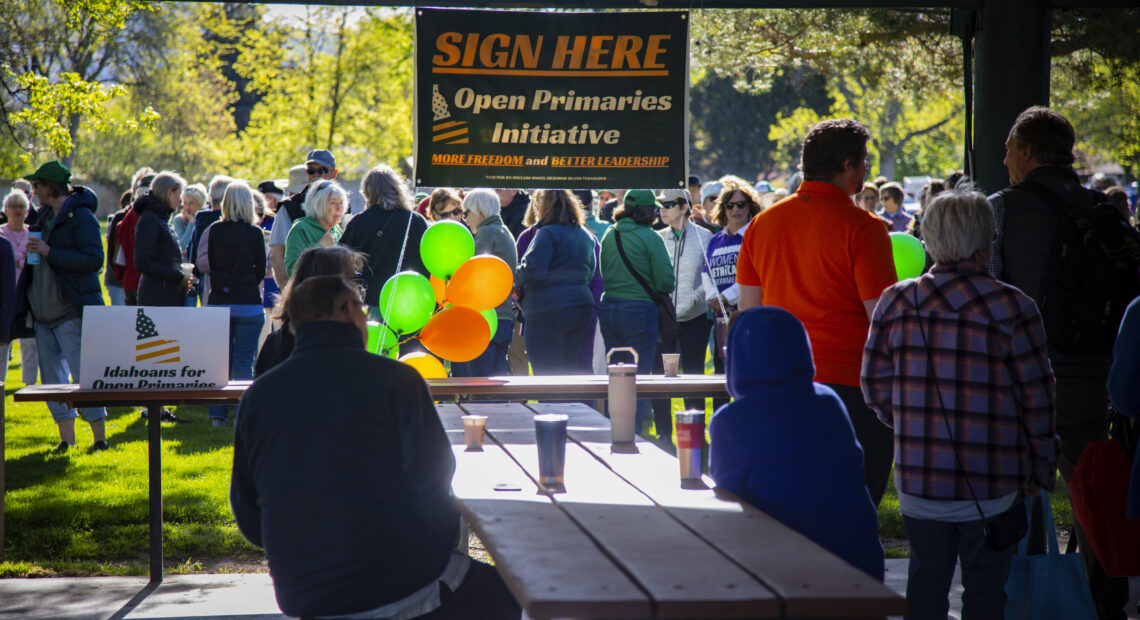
(150,346)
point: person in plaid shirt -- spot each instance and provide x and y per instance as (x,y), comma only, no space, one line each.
(956,350)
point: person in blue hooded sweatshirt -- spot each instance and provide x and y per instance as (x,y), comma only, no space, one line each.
(786,445)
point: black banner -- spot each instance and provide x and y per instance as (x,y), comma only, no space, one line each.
(551,100)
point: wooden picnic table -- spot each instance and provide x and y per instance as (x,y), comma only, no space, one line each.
(580,387)
(626,540)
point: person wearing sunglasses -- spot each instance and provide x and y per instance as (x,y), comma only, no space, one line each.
(445,204)
(893,211)
(685,242)
(324,206)
(319,165)
(734,208)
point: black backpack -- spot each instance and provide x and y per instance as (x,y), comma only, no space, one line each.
(1092,275)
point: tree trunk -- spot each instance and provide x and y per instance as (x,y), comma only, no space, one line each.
(73,132)
(888,159)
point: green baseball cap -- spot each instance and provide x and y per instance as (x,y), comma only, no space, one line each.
(641,198)
(51,171)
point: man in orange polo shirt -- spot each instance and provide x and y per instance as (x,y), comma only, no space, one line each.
(826,261)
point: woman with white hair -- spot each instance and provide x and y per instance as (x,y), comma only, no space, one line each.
(388,231)
(232,253)
(491,237)
(324,206)
(158,258)
(956,363)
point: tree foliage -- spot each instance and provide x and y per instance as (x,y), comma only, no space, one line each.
(898,72)
(728,129)
(328,83)
(57,68)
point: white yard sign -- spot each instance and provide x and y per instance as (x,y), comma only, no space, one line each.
(147,348)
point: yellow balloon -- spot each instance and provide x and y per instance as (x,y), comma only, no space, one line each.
(427,365)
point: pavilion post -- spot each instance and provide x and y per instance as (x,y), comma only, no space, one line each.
(1011,69)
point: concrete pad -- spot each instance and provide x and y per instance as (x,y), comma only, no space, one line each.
(186,597)
(239,597)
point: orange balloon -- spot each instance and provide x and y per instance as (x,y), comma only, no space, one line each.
(457,333)
(428,366)
(440,289)
(483,282)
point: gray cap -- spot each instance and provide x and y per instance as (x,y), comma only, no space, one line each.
(322,157)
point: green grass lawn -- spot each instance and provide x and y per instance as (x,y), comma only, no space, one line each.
(86,512)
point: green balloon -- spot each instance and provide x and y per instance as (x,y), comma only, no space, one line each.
(445,246)
(406,302)
(910,257)
(492,319)
(381,340)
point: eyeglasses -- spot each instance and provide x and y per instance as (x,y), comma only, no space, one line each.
(680,202)
(739,204)
(316,171)
(453,213)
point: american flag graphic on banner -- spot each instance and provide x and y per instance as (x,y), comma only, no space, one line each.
(150,346)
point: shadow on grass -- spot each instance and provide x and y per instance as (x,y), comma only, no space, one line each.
(34,469)
(191,434)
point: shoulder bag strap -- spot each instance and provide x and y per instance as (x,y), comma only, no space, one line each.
(210,251)
(636,276)
(942,407)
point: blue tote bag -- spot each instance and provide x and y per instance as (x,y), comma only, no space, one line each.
(1046,587)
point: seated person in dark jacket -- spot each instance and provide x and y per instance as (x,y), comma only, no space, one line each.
(342,472)
(335,260)
(785,444)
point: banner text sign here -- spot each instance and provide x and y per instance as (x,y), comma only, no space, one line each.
(551,100)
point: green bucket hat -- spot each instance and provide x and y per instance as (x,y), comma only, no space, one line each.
(51,171)
(641,198)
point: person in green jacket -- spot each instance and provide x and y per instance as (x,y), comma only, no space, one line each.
(323,207)
(628,315)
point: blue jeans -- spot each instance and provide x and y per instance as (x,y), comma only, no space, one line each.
(59,363)
(117,296)
(491,362)
(244,333)
(631,323)
(934,548)
(553,339)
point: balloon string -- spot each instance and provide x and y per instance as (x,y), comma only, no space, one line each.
(399,265)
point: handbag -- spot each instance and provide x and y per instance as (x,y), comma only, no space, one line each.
(1099,489)
(1053,585)
(666,312)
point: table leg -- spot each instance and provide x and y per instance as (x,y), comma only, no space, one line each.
(154,448)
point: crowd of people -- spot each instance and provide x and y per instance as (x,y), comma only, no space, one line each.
(838,371)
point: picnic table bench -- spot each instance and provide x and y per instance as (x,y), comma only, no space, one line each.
(626,540)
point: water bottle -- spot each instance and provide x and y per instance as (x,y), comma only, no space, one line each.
(34,233)
(622,396)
